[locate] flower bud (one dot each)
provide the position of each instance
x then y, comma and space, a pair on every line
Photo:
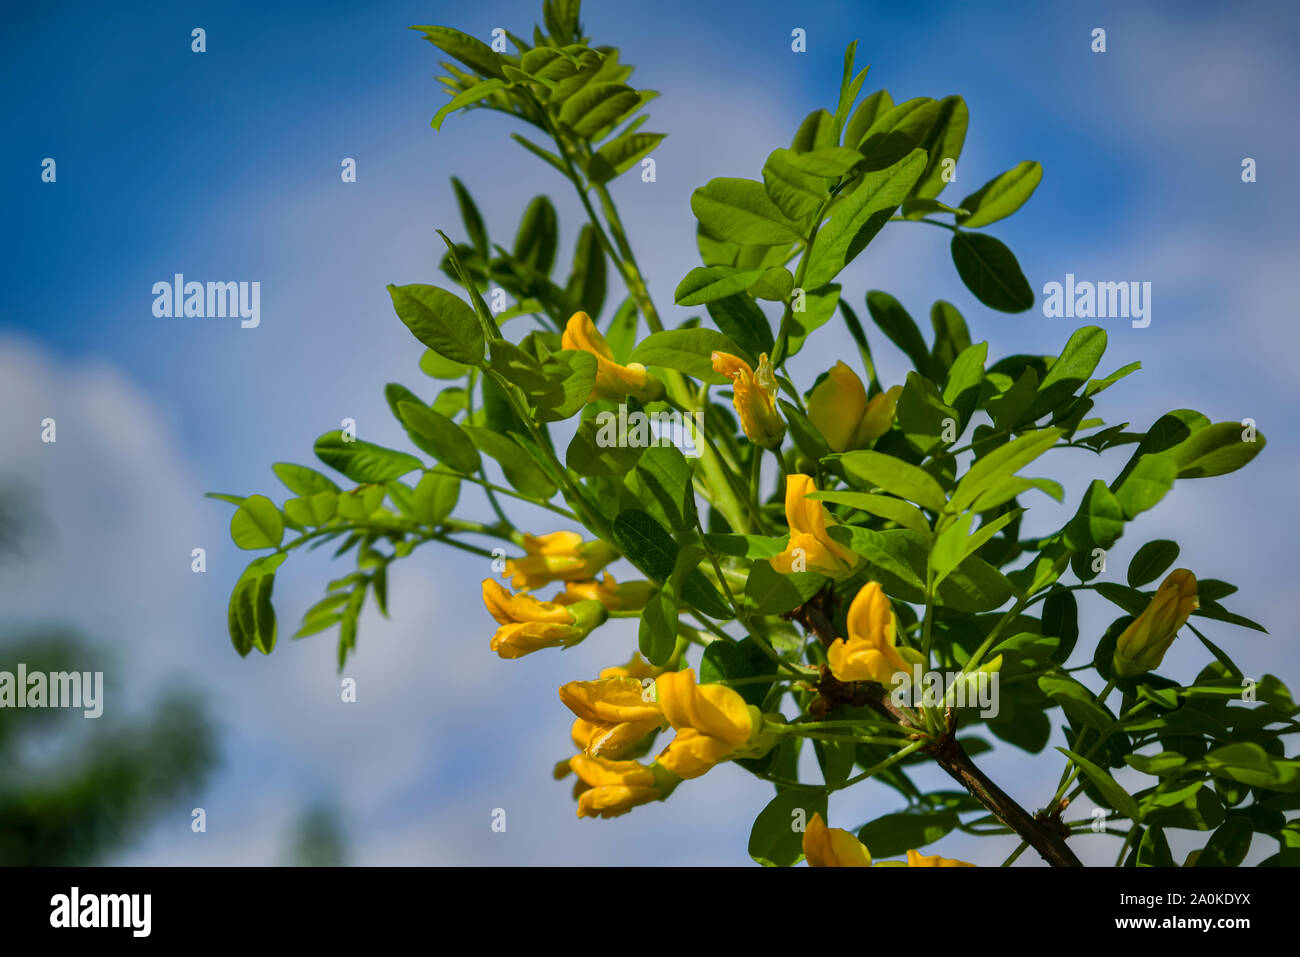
1143, 644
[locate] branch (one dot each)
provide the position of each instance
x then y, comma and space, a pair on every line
816, 615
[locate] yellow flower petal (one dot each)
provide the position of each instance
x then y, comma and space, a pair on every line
836, 406
711, 709
832, 846
691, 753
917, 859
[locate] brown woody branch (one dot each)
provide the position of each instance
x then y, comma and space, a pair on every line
1043, 835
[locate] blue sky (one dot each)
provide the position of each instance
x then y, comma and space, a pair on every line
225, 166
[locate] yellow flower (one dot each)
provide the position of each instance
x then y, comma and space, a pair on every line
629, 596
559, 556
870, 653
613, 787
613, 714
613, 381
636, 667
811, 547
917, 859
838, 407
528, 625
832, 846
712, 721
1143, 645
754, 397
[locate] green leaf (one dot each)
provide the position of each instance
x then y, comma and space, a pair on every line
776, 839
990, 271
364, 462
707, 283
942, 143
857, 218
869, 110
586, 289
894, 476
956, 542
1146, 484
898, 132
472, 52
923, 416
739, 211
598, 447
621, 154
895, 510
662, 480
893, 320
312, 510
743, 322
440, 320
1153, 849
302, 480
516, 464
538, 236
774, 284
1001, 196
1110, 790
573, 372
1151, 561
1228, 846
471, 217
1216, 450
251, 617
818, 305
689, 351
796, 192
998, 464
645, 543
965, 379
597, 106
951, 337
1075, 700
1069, 373
445, 440
435, 497
475, 93
257, 524
436, 367
895, 834
770, 592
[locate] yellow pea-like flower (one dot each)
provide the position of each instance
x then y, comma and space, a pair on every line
559, 556
754, 397
636, 667
528, 625
629, 596
613, 381
613, 714
1143, 644
839, 408
613, 787
832, 846
917, 859
870, 653
811, 547
711, 720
